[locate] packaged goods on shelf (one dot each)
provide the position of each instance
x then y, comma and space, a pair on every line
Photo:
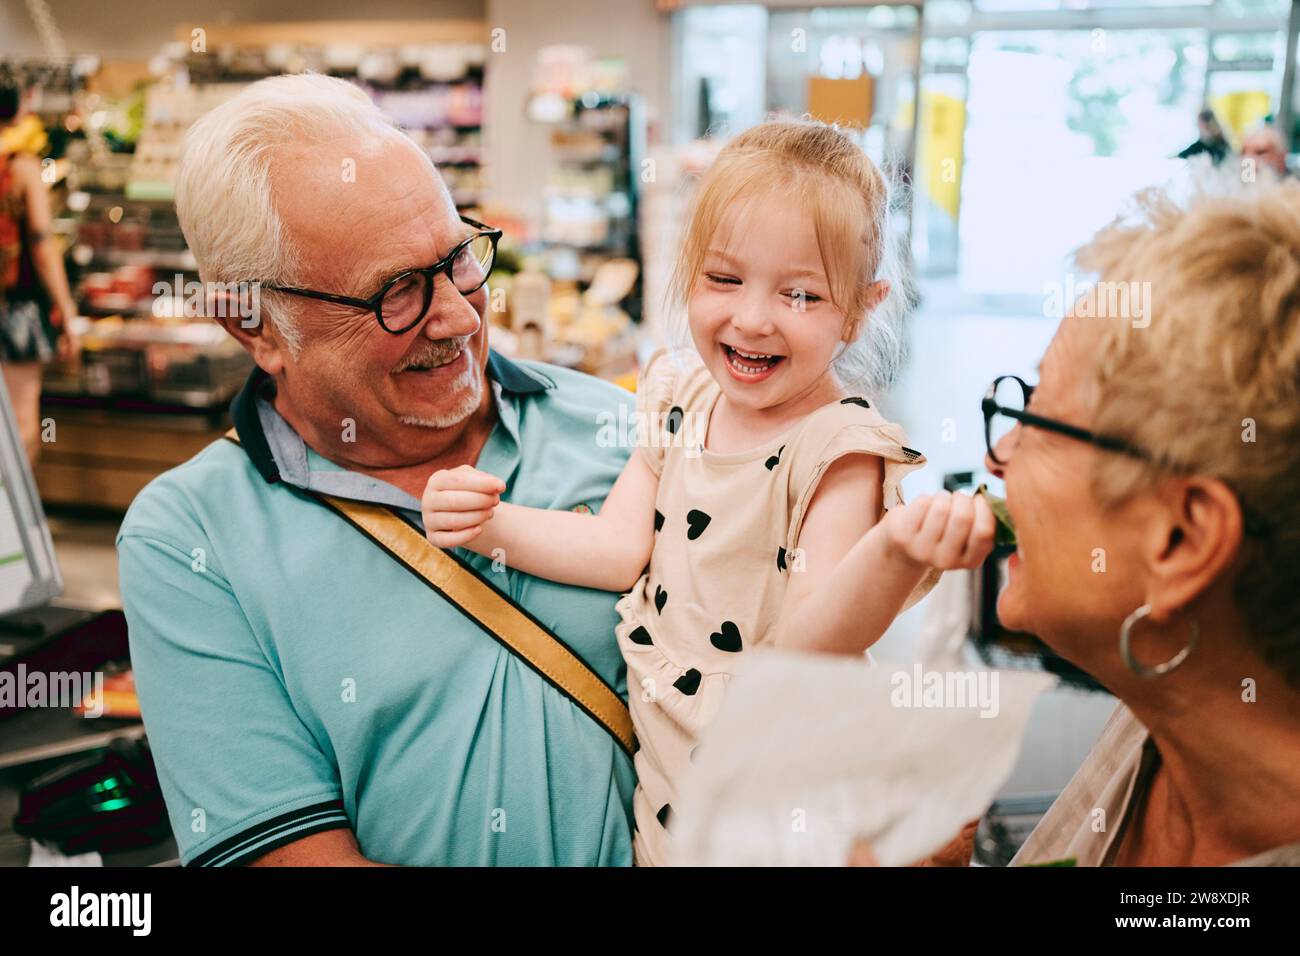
169, 112
185, 363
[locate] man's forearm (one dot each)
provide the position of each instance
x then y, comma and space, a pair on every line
331, 848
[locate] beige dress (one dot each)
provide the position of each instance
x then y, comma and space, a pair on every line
727, 527
1087, 821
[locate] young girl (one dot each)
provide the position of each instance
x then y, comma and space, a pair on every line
762, 505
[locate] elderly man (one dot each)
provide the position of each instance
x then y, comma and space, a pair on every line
1265, 146
310, 699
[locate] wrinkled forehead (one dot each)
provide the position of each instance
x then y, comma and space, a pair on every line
349, 204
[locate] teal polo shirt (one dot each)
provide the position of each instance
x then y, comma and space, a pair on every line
293, 678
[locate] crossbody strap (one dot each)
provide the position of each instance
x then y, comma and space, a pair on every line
495, 613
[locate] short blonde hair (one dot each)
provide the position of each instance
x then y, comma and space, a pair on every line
223, 186
820, 169
1212, 385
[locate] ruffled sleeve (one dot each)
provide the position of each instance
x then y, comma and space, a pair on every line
852, 427
659, 415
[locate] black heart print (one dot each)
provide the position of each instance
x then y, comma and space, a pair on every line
726, 638
698, 521
689, 682
674, 422
661, 598
775, 459
662, 816
640, 636
780, 559
855, 401
659, 520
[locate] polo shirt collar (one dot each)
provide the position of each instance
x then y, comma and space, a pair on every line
512, 377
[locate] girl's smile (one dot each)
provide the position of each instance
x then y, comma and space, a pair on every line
749, 367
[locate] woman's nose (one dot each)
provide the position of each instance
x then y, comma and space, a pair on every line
1002, 447
992, 467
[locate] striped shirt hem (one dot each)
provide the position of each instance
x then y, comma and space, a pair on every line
276, 832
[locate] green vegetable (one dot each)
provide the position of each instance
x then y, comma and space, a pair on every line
1006, 531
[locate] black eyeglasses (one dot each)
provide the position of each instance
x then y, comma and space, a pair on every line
403, 301
1004, 407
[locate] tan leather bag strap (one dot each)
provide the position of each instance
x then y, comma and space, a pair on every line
495, 613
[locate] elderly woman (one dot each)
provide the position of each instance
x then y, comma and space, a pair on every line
1152, 477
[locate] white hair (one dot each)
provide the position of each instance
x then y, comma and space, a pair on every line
223, 186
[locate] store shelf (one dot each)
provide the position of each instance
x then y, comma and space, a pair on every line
108, 449
45, 733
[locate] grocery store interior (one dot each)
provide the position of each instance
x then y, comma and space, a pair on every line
577, 127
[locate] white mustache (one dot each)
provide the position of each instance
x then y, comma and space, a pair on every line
437, 353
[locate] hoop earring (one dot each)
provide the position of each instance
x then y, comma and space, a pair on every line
1126, 646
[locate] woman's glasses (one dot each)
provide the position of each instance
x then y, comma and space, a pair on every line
403, 301
1004, 407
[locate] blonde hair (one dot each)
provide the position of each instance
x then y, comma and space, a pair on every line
1212, 385
223, 186
821, 170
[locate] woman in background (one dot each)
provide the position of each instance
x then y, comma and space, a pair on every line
35, 301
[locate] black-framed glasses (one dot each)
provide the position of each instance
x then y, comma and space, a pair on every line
1004, 407
403, 301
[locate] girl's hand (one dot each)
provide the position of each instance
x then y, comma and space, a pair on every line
457, 503
944, 531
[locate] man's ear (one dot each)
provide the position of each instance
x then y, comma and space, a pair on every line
254, 331
1194, 539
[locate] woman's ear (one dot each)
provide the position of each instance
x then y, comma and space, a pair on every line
1194, 540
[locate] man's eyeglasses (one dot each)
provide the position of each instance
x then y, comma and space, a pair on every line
403, 301
1004, 408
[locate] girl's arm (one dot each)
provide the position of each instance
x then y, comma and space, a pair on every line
462, 507
858, 569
